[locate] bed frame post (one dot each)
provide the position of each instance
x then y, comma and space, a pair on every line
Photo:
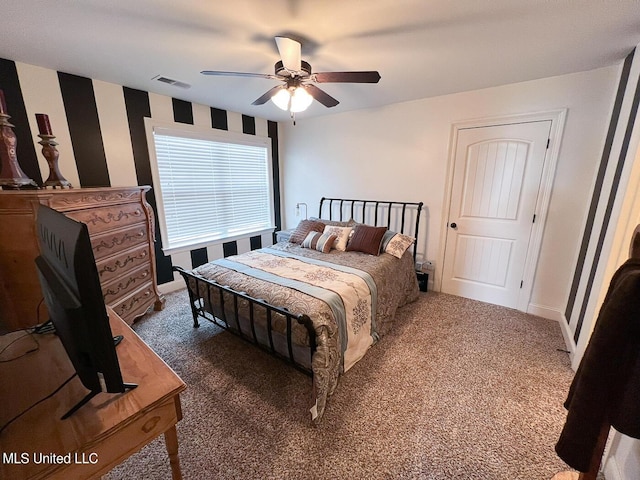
192, 297
415, 246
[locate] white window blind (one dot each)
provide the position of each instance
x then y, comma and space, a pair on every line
210, 189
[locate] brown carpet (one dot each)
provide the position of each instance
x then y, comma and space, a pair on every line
458, 390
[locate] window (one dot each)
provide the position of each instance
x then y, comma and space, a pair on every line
211, 185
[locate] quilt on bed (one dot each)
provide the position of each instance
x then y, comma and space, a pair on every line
351, 298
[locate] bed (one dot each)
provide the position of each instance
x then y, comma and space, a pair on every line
322, 298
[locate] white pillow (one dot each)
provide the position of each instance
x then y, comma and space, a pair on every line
342, 236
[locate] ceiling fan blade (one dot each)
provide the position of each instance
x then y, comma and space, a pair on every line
289, 53
347, 77
321, 96
238, 74
267, 96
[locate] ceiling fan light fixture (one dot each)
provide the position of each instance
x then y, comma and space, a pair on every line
299, 89
300, 100
282, 99
292, 99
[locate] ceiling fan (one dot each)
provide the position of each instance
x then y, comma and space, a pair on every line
298, 90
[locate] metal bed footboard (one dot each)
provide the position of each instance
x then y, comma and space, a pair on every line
238, 313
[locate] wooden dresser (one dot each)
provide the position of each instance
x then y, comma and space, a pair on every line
121, 226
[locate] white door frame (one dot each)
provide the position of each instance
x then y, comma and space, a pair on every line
557, 118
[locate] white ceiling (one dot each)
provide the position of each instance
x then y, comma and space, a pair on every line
422, 48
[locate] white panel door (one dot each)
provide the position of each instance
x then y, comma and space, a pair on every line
496, 178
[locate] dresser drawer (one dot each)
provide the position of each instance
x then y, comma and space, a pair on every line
109, 218
121, 227
136, 303
109, 243
118, 265
121, 286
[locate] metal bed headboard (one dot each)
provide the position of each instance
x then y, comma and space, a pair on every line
396, 216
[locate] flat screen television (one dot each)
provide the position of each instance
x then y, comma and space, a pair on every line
71, 287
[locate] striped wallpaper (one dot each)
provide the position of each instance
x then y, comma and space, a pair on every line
600, 222
99, 127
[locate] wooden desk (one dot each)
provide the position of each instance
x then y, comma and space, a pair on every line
100, 435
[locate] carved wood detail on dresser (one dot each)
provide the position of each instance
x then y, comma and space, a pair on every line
121, 227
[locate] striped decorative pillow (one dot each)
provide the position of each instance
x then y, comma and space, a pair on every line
319, 241
303, 229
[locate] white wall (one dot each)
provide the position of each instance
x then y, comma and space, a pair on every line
400, 152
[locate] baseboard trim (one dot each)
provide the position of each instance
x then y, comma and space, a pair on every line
169, 287
545, 312
553, 314
567, 335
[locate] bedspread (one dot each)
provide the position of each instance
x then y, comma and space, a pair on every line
287, 275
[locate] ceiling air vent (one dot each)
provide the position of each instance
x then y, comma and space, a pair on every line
171, 81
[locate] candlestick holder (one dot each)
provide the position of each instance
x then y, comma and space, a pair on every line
51, 154
11, 175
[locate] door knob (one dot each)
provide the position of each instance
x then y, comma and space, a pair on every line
454, 225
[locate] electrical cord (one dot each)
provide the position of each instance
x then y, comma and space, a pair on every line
27, 334
38, 310
38, 402
44, 328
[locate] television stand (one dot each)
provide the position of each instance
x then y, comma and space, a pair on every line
87, 398
102, 434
